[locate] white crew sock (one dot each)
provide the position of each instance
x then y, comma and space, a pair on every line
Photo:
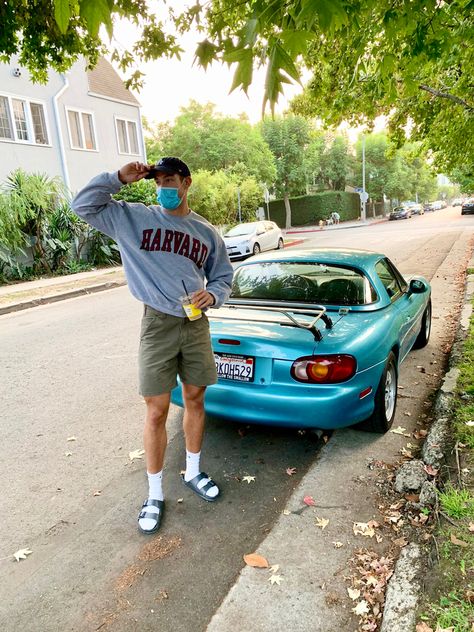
155, 491
192, 470
192, 465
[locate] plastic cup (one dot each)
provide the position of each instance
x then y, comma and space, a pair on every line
192, 312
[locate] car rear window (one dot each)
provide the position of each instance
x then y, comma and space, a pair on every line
318, 283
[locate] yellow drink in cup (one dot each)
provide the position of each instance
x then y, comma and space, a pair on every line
192, 312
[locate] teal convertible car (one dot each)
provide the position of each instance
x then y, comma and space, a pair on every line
315, 339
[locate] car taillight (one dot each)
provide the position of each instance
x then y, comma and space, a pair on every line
324, 369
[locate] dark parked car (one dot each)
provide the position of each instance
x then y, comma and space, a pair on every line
467, 206
400, 212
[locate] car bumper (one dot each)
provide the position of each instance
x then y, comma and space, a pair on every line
238, 253
326, 406
467, 211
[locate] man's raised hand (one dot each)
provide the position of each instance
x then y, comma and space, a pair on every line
133, 172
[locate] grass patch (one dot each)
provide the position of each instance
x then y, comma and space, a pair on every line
450, 602
457, 503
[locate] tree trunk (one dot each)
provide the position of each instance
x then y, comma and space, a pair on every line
288, 210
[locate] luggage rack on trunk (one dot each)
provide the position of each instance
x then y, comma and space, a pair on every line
318, 311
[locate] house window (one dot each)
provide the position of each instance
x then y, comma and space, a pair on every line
81, 130
6, 130
19, 112
39, 124
22, 121
127, 136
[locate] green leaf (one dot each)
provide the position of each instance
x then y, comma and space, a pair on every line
95, 13
330, 14
296, 42
205, 52
243, 74
62, 14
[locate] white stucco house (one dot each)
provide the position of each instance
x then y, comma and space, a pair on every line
75, 126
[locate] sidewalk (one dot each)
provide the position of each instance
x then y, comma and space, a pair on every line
28, 294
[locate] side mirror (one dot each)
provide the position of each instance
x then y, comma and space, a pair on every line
417, 286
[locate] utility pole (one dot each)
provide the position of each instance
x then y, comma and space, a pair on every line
238, 205
363, 198
267, 200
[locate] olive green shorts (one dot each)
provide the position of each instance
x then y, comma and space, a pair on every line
171, 346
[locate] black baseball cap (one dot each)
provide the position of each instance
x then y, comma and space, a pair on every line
169, 164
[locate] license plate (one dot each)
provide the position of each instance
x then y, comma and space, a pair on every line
234, 367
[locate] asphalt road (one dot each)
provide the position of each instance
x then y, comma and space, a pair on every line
69, 417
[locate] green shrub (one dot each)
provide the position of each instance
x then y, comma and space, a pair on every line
309, 209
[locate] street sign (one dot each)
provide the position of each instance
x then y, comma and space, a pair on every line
266, 193
364, 196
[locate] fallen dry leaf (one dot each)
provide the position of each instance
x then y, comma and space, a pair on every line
248, 479
286, 512
290, 471
136, 454
361, 608
471, 527
430, 470
423, 627
457, 541
71, 439
255, 560
354, 593
275, 579
363, 528
180, 500
309, 500
98, 492
401, 542
68, 454
337, 545
21, 554
413, 498
400, 430
420, 434
407, 453
274, 568
322, 522
407, 414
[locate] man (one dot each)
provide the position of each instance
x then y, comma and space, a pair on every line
167, 250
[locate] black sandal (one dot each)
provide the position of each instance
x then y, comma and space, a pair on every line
202, 492
151, 515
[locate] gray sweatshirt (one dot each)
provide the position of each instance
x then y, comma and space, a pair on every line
159, 250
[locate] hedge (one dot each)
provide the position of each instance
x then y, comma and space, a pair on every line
309, 209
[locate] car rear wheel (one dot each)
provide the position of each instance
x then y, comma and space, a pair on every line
424, 335
280, 244
256, 249
385, 400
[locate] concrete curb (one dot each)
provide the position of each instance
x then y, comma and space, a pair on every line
54, 298
317, 229
404, 588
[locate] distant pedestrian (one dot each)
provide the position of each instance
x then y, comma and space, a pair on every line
166, 248
335, 217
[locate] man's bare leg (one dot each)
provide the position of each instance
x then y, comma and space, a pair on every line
193, 426
155, 440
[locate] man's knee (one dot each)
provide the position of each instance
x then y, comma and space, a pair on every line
193, 396
157, 408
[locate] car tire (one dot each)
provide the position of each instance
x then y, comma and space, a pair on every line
280, 244
385, 400
425, 331
256, 249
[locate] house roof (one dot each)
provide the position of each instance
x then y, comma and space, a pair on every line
104, 80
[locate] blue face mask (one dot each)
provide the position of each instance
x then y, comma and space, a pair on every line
168, 197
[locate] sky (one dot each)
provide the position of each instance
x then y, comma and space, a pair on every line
170, 83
